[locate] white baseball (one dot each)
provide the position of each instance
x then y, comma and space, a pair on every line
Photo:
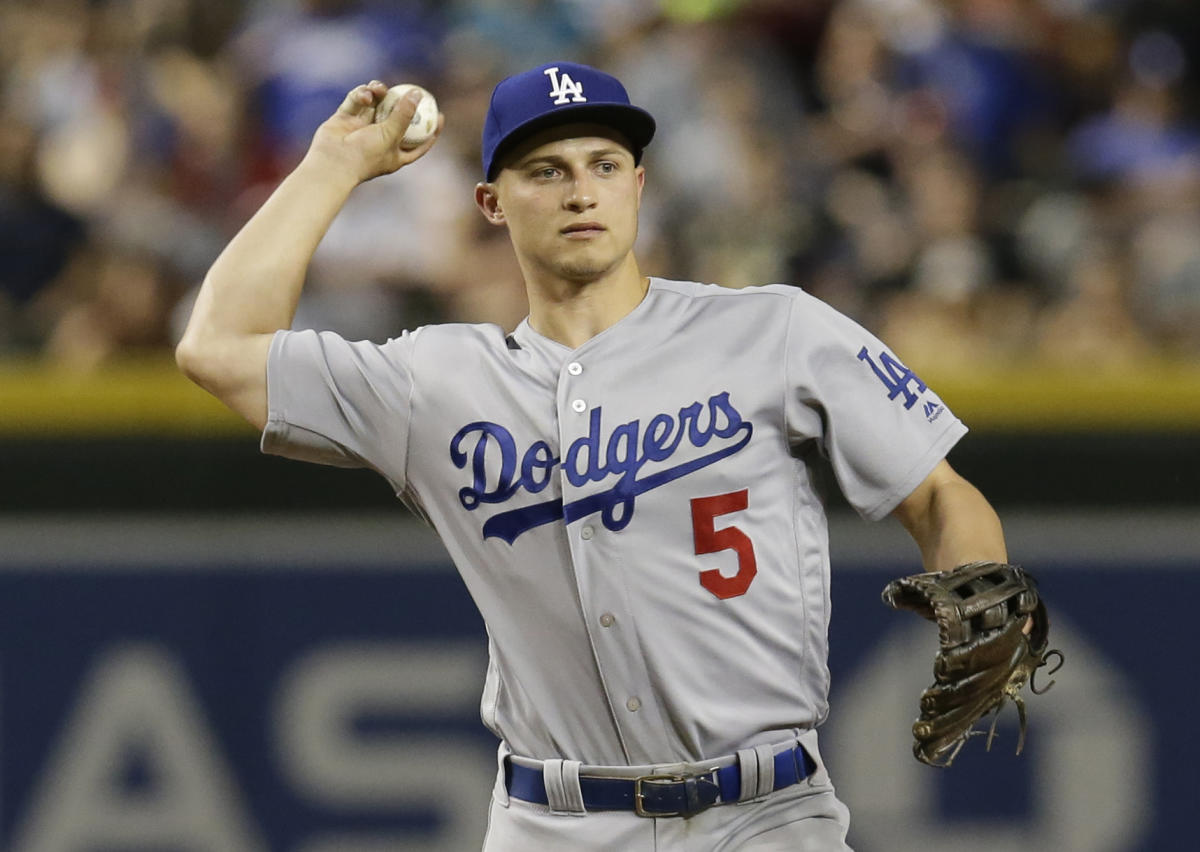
424, 120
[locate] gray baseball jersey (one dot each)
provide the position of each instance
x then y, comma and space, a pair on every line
636, 518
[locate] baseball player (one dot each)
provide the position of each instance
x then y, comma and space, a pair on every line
624, 481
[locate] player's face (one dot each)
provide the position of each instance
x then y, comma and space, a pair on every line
570, 198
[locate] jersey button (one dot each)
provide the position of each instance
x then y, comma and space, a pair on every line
586, 533
607, 619
634, 704
574, 368
579, 406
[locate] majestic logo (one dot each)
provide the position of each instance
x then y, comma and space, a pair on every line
563, 89
590, 458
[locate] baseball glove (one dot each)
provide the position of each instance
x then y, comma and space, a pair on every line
985, 657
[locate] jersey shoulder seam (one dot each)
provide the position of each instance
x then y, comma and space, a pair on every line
453, 330
700, 290
412, 393
787, 362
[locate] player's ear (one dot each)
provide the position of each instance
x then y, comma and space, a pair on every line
488, 203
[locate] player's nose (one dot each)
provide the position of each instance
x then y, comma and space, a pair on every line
580, 193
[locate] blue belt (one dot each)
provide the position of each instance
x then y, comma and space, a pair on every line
660, 795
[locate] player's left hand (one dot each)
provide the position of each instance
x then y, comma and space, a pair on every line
993, 634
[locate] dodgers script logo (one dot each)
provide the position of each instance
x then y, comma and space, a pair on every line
564, 88
591, 458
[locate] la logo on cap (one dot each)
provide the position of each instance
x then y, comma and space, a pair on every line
563, 89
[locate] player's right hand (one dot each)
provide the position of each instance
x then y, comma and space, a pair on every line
350, 140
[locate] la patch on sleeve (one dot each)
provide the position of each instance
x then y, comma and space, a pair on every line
900, 382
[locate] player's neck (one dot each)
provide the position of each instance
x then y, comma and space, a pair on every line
572, 312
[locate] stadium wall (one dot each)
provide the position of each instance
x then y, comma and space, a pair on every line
309, 682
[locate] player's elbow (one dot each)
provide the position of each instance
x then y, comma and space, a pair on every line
202, 362
210, 358
233, 369
196, 349
192, 358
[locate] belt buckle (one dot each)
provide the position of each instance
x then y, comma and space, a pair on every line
691, 792
638, 795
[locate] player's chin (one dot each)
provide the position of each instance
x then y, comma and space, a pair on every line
584, 266
581, 270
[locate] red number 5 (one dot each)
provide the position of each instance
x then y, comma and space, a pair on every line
710, 540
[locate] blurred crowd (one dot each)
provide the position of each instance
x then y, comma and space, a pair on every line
978, 181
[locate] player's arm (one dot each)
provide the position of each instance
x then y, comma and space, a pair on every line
252, 289
951, 521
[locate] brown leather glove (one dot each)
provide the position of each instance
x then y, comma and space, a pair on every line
985, 656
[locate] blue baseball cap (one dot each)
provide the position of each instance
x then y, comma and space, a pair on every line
559, 93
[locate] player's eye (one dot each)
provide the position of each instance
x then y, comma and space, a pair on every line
545, 173
606, 167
